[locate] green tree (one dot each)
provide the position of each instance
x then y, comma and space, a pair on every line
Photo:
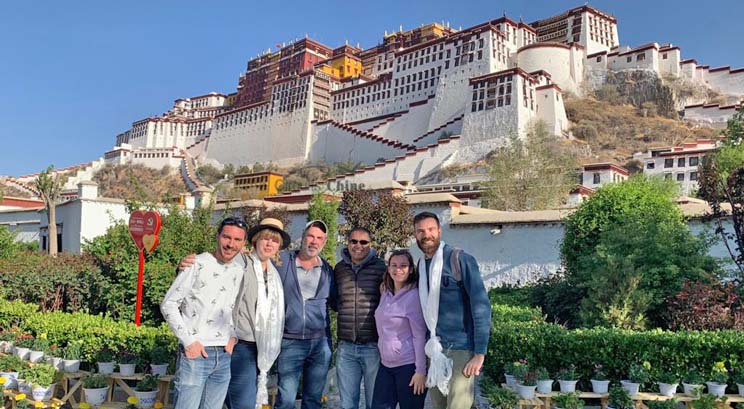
117, 257
387, 216
630, 236
529, 174
49, 186
326, 210
722, 181
8, 244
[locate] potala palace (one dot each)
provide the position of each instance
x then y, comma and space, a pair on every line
419, 100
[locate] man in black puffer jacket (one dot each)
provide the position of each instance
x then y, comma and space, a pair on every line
356, 296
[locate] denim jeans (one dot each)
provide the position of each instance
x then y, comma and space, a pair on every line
242, 391
354, 361
202, 382
310, 358
392, 388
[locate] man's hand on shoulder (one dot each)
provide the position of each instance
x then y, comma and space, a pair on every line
187, 262
474, 365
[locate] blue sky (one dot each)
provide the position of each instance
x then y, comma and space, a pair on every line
73, 74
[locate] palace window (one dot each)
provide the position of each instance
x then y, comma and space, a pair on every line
681, 162
693, 176
680, 177
641, 57
668, 163
694, 161
596, 178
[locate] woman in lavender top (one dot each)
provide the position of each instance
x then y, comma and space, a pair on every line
402, 331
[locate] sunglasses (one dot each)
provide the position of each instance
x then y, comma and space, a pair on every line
362, 242
234, 221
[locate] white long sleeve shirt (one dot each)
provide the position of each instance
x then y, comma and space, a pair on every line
199, 304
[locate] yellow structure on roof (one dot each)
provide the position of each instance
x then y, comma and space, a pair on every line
265, 183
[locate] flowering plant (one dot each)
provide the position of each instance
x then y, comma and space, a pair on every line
719, 373
521, 369
599, 373
639, 373
567, 374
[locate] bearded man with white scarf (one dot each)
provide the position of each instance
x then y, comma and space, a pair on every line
457, 315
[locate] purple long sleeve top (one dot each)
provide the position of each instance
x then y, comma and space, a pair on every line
402, 329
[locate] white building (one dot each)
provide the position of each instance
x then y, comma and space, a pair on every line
679, 163
595, 175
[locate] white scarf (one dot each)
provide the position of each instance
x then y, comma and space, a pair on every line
269, 325
440, 369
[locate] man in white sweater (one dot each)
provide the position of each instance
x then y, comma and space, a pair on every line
199, 309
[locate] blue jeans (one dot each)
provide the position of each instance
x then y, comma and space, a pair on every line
310, 358
354, 361
202, 382
391, 388
244, 368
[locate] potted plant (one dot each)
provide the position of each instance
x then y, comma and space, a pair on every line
105, 361
544, 383
738, 379
692, 382
159, 358
509, 373
95, 388
23, 344
37, 349
147, 391
21, 402
10, 368
54, 359
6, 342
668, 383
498, 397
568, 401
638, 374
71, 355
708, 401
619, 398
600, 383
662, 404
127, 363
526, 386
42, 378
23, 385
567, 379
718, 379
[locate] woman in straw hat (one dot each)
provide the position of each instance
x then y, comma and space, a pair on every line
258, 316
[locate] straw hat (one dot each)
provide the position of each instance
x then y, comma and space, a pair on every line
272, 224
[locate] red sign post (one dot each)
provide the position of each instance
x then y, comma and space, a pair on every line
144, 228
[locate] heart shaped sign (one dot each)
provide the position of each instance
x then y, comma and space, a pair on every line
144, 228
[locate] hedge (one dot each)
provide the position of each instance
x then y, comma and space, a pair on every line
517, 334
95, 331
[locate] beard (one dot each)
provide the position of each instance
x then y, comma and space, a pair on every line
429, 245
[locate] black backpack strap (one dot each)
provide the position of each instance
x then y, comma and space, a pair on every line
455, 266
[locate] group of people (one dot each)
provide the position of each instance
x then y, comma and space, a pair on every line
402, 327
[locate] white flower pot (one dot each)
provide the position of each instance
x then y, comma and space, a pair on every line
41, 393
631, 387
526, 392
22, 352
146, 399
106, 367
11, 380
35, 356
689, 388
567, 386
600, 386
126, 369
545, 386
510, 381
716, 389
667, 389
24, 387
160, 369
71, 365
740, 387
95, 396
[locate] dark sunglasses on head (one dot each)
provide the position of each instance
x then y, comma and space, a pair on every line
234, 221
362, 242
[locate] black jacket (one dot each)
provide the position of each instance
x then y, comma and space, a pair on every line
356, 297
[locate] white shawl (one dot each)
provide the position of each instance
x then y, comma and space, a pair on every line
440, 370
269, 325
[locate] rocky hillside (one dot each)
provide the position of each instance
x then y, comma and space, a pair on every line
137, 182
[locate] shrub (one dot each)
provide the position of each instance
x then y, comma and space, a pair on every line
706, 306
148, 383
663, 404
498, 397
94, 332
619, 398
568, 401
95, 381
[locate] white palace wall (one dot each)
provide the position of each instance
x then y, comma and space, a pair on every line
331, 143
726, 80
411, 125
565, 64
